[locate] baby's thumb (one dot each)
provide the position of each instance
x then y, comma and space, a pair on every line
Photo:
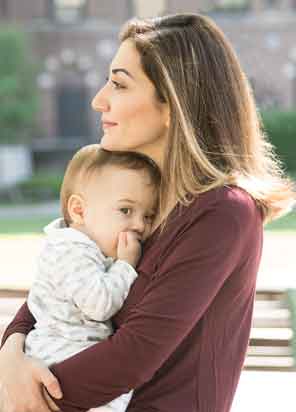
51, 383
122, 240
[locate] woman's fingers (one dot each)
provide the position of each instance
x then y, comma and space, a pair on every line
49, 401
50, 382
22, 379
42, 376
33, 402
39, 404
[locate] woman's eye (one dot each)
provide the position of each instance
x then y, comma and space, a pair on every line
125, 210
115, 84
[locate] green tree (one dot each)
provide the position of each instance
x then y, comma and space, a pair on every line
18, 91
281, 130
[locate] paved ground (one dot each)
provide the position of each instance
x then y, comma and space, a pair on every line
277, 270
278, 264
265, 392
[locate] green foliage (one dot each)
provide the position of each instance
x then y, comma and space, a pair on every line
41, 187
18, 92
281, 130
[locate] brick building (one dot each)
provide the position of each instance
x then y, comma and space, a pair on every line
76, 39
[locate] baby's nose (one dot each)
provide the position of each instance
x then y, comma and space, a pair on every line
139, 226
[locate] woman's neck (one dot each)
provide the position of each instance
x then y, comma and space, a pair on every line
156, 151
171, 204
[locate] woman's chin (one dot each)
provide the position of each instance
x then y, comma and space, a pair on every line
108, 143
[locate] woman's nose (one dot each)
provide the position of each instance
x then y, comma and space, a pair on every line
99, 102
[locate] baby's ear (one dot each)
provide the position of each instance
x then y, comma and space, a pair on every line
76, 209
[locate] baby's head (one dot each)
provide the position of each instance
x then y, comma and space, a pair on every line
105, 193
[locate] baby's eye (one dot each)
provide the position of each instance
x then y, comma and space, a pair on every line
149, 218
126, 210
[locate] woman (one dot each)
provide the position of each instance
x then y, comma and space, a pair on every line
176, 92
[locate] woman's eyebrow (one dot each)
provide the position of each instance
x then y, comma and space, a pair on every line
114, 71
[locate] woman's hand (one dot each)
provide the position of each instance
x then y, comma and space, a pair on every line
22, 380
53, 406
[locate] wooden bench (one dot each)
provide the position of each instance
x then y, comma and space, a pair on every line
270, 346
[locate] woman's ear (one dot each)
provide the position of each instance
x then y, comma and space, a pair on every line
167, 123
76, 207
167, 116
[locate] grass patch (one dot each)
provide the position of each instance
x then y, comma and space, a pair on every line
36, 224
23, 226
286, 223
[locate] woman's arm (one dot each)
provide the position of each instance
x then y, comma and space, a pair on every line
195, 269
23, 322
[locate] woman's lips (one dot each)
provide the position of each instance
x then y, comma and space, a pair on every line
107, 125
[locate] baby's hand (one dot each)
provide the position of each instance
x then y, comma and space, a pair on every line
129, 248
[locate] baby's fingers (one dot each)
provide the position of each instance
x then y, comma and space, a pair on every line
122, 239
133, 239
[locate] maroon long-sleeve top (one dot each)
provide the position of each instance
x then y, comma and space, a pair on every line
182, 334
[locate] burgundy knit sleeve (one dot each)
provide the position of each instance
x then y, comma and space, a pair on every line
195, 268
23, 322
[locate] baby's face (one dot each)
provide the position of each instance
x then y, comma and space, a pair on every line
118, 200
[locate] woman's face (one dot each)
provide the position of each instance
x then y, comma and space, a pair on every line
132, 117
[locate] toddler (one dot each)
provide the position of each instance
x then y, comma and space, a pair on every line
87, 265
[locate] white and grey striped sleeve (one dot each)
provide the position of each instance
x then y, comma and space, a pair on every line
98, 292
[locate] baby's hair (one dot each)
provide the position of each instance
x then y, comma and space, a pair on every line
92, 158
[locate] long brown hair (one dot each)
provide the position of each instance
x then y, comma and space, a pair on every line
215, 136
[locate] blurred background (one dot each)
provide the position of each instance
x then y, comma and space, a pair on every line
54, 56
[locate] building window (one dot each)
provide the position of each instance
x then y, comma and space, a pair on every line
72, 110
68, 11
